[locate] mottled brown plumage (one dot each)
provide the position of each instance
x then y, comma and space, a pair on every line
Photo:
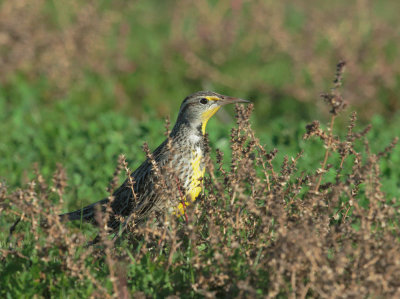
179, 160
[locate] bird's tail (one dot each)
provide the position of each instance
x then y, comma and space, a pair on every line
87, 213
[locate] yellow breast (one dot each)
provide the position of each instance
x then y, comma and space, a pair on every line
195, 184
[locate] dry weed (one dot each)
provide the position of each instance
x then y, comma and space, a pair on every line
256, 229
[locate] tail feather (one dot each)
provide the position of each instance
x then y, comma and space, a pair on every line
87, 213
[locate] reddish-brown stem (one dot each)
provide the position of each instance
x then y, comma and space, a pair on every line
326, 154
345, 215
182, 200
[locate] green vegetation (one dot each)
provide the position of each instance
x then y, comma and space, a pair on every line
83, 82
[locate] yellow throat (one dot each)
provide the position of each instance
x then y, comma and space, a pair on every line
198, 171
208, 114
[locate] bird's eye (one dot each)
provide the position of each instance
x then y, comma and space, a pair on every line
203, 101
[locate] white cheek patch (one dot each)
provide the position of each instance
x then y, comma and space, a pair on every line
213, 106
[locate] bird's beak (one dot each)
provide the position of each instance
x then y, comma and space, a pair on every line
231, 100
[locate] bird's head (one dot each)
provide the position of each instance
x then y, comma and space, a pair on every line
199, 107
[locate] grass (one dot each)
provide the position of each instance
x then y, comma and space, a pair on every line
269, 223
84, 82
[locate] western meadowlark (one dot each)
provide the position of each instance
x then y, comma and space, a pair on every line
183, 151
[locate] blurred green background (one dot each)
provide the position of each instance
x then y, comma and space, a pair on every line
84, 81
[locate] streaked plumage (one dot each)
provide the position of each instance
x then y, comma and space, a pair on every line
184, 155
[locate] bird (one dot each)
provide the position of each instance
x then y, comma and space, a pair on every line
182, 153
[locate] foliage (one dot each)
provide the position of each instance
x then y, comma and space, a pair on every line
316, 224
130, 56
82, 82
